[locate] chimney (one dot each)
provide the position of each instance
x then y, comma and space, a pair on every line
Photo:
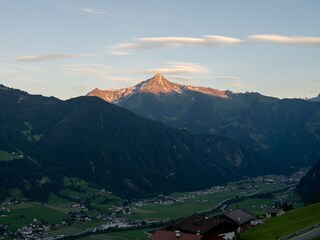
178, 233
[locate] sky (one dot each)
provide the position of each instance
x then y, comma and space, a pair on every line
65, 48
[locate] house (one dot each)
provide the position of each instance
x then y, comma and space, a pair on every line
213, 228
241, 218
174, 235
272, 212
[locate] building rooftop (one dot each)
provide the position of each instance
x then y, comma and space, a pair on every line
170, 235
239, 216
198, 224
273, 210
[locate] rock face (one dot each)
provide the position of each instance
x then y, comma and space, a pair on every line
155, 85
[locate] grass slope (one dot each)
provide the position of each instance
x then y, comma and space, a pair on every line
123, 235
197, 204
5, 156
292, 221
23, 214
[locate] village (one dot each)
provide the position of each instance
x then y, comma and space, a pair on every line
117, 218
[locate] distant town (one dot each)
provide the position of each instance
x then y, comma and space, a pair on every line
115, 218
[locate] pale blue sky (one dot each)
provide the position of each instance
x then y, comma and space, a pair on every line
65, 48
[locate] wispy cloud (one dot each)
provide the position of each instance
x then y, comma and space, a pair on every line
158, 42
173, 68
221, 40
287, 40
238, 85
207, 41
123, 48
227, 78
45, 57
98, 71
21, 73
170, 41
92, 11
182, 79
233, 82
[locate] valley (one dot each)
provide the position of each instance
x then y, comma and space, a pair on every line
81, 208
87, 169
159, 120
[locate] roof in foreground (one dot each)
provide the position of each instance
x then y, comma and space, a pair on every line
198, 224
239, 216
169, 235
273, 210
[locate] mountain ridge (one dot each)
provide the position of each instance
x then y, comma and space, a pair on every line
308, 187
108, 146
285, 132
156, 85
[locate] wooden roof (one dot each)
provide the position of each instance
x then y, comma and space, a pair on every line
199, 224
170, 235
239, 216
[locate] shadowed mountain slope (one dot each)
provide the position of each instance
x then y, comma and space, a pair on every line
286, 133
111, 147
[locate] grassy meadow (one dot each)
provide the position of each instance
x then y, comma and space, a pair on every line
280, 226
57, 208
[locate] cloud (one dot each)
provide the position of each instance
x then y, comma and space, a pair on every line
173, 68
91, 11
123, 48
207, 41
234, 78
45, 57
21, 73
182, 78
221, 40
238, 85
98, 71
160, 42
171, 41
287, 40
230, 81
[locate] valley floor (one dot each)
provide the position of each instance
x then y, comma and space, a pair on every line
81, 208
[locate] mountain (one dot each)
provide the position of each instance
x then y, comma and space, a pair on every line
286, 133
308, 187
45, 139
155, 85
315, 99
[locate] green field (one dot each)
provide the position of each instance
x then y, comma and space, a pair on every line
5, 156
177, 210
122, 235
75, 228
290, 222
207, 202
78, 189
253, 205
23, 213
100, 201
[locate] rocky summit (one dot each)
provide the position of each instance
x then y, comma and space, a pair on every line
285, 132
156, 85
